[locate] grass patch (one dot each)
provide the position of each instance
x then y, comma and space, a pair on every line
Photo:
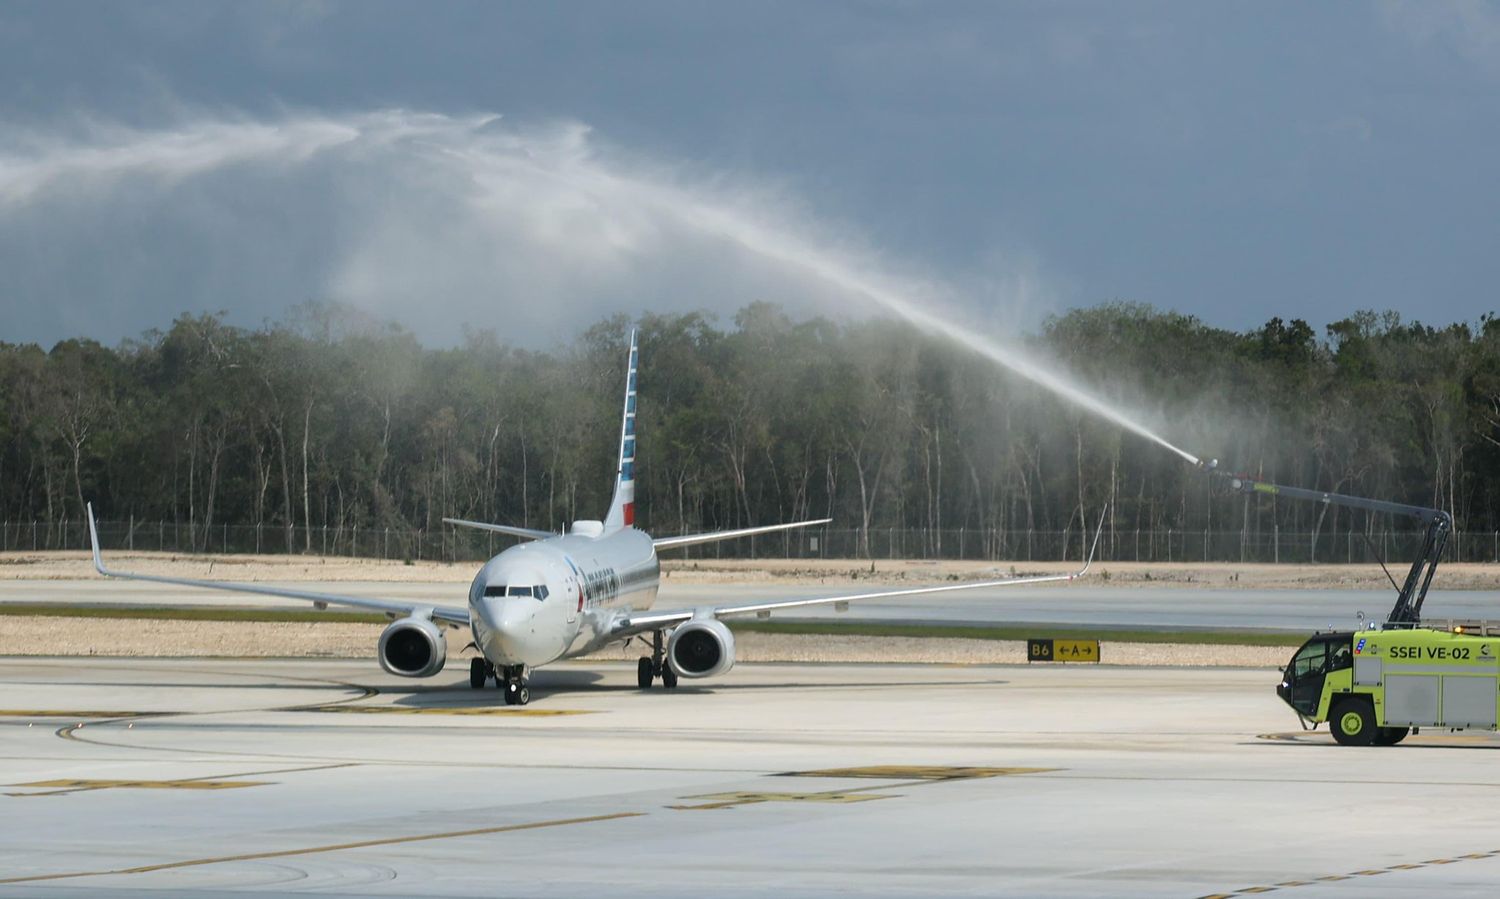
186, 613
1021, 632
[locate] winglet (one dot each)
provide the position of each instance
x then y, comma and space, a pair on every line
523, 533
94, 542
1098, 532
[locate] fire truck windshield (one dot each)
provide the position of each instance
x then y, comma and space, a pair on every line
1302, 682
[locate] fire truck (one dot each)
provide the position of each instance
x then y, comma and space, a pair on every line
1381, 682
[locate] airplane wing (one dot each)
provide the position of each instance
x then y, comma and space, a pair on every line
523, 533
712, 536
650, 621
448, 614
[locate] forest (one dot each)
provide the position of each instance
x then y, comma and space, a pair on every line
312, 431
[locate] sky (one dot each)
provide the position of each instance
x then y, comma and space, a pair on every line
528, 168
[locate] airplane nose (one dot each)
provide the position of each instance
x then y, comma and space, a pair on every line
512, 622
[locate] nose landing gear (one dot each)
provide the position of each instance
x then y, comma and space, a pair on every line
512, 680
653, 666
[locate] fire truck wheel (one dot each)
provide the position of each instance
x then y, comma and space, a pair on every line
1390, 736
1353, 723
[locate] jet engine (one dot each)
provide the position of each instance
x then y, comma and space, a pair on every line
413, 647
701, 648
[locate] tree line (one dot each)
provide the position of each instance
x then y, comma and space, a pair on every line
330, 419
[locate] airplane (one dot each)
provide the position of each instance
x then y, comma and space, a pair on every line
558, 596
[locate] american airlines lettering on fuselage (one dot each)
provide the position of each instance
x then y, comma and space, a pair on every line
556, 596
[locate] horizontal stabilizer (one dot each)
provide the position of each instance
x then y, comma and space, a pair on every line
524, 533
714, 536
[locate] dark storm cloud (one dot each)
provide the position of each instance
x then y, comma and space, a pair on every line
1232, 162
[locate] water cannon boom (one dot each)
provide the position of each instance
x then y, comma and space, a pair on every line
1407, 611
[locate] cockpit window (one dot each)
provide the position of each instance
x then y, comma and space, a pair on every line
539, 591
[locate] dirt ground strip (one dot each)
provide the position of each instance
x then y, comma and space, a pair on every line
22, 635
1222, 575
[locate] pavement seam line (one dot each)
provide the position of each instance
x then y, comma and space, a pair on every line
1368, 872
313, 850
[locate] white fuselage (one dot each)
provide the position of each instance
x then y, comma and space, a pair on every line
585, 583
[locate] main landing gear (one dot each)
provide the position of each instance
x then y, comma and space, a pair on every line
653, 666
480, 670
510, 678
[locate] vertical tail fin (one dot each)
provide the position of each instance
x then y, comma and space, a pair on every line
622, 507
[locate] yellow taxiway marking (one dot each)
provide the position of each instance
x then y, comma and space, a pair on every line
442, 710
917, 772
730, 800
63, 786
313, 850
144, 784
73, 713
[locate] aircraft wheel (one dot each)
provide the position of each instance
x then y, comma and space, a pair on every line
523, 694
1390, 736
643, 673
668, 677
1353, 723
512, 692
477, 673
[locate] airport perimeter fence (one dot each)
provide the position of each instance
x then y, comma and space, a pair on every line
451, 544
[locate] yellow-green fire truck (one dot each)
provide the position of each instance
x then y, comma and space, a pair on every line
1374, 686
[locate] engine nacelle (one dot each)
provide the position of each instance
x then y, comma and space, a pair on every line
701, 648
413, 647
